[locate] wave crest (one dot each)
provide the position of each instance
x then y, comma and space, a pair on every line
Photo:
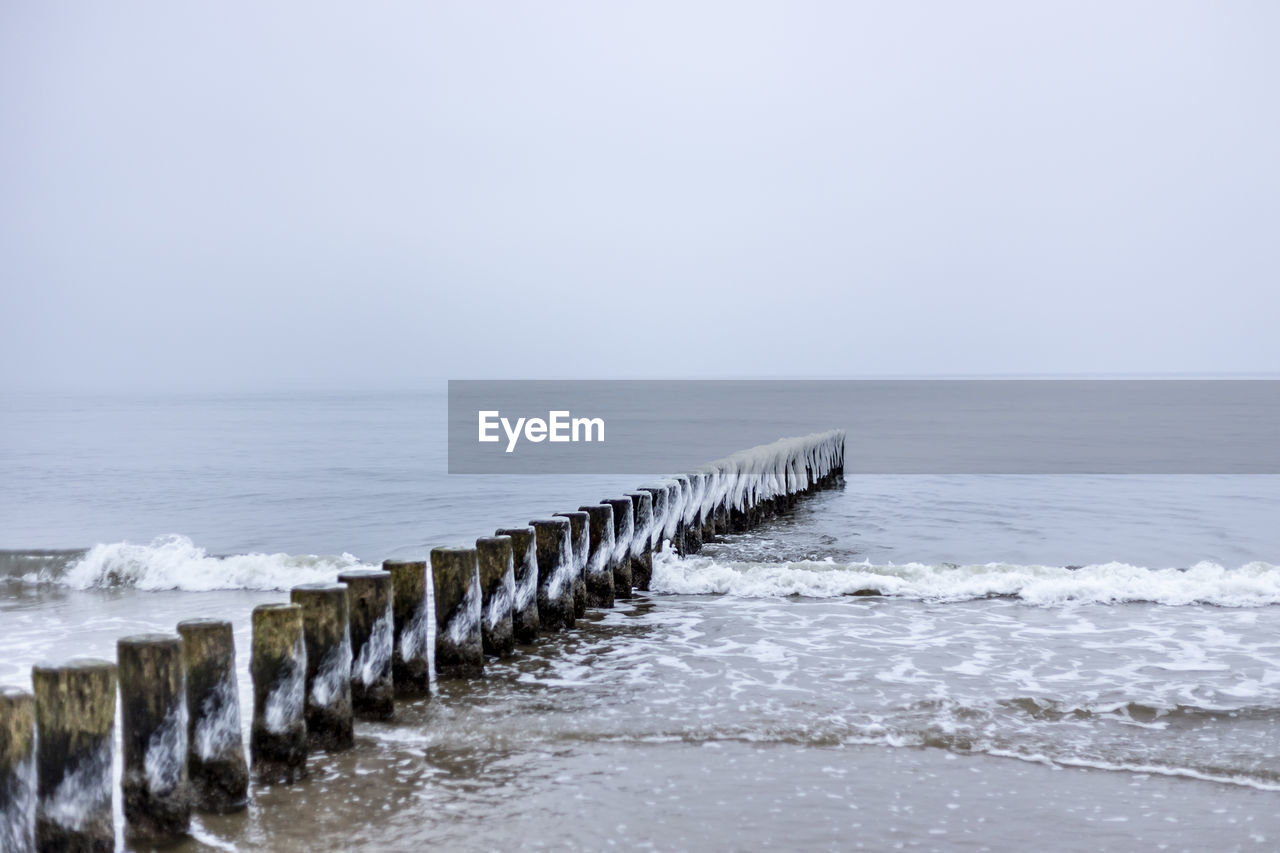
1252, 585
175, 562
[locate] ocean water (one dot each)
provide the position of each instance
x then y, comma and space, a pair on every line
920, 662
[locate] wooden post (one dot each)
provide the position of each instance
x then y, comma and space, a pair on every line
410, 669
555, 573
372, 642
17, 770
600, 555
497, 594
524, 551
624, 528
216, 766
326, 627
580, 538
75, 721
278, 736
455, 574
153, 712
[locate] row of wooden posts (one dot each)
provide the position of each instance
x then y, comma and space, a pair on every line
335, 653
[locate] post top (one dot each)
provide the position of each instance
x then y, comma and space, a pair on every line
387, 565
10, 693
320, 586
452, 551
78, 664
363, 574
271, 608
149, 640
203, 624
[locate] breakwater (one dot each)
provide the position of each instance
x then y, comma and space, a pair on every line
358, 636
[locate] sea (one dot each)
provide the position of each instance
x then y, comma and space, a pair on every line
1068, 662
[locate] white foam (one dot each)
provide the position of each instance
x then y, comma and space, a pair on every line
464, 625
527, 589
83, 792
602, 560
331, 684
374, 661
1252, 585
500, 603
175, 562
18, 811
218, 723
413, 639
166, 757
285, 701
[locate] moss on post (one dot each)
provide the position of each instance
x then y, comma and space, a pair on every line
75, 720
410, 669
372, 642
278, 736
153, 713
327, 633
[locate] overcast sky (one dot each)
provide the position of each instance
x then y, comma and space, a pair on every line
244, 196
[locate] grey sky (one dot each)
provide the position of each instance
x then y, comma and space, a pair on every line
247, 195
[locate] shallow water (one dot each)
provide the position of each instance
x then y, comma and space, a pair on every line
1064, 662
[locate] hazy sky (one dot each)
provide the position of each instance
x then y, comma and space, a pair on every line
257, 195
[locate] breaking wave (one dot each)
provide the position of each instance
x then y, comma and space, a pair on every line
1251, 585
175, 562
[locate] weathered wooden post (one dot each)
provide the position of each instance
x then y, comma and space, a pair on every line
497, 594
410, 669
641, 542
327, 630
555, 573
659, 518
624, 528
153, 713
455, 575
672, 515
600, 555
580, 539
524, 614
370, 617
709, 479
687, 541
698, 483
278, 736
75, 721
216, 765
17, 770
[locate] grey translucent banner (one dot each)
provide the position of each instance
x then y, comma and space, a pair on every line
894, 427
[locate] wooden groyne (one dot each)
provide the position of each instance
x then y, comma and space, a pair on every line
339, 652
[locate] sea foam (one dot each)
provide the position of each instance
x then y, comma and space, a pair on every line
175, 562
1251, 585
